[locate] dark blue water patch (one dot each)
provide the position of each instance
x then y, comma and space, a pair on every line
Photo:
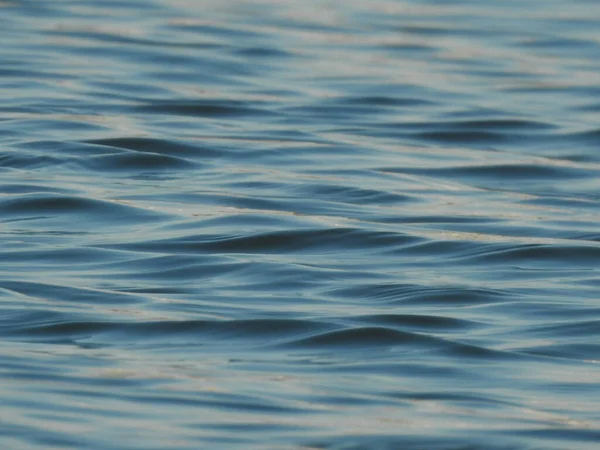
362, 337
237, 403
498, 130
499, 124
379, 101
29, 161
203, 108
541, 255
589, 136
461, 137
527, 177
15, 320
302, 241
458, 398
306, 337
141, 162
384, 339
412, 294
27, 74
442, 30
588, 107
580, 90
248, 429
416, 322
40, 438
555, 44
438, 219
347, 110
67, 124
407, 49
264, 52
170, 270
205, 333
46, 207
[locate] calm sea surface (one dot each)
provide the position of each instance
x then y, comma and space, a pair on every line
299, 224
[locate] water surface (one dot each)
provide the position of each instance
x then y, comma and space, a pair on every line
299, 225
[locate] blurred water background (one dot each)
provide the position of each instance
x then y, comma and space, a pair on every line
299, 224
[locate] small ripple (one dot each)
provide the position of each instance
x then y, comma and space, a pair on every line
225, 333
462, 137
423, 323
351, 195
541, 255
163, 147
302, 241
362, 337
45, 206
408, 441
381, 339
21, 188
29, 161
64, 257
411, 294
379, 101
263, 52
202, 108
138, 162
526, 172
46, 292
558, 433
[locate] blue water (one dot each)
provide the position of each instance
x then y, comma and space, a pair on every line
299, 224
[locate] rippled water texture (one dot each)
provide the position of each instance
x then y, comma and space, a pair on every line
299, 224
